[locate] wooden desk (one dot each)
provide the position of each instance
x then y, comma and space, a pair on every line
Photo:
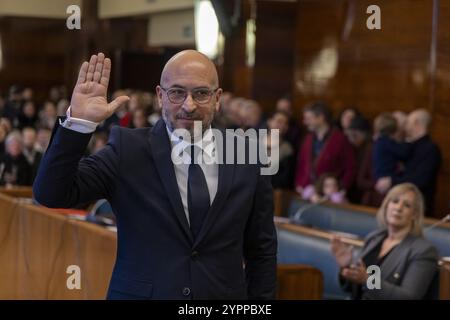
36, 247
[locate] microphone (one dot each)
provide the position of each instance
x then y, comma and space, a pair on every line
434, 225
297, 216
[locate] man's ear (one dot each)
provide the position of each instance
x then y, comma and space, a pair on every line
218, 95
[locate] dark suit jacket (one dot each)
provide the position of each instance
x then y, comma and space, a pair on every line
422, 169
157, 256
408, 272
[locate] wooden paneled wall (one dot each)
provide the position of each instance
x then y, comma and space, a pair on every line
340, 61
41, 53
34, 53
272, 74
271, 77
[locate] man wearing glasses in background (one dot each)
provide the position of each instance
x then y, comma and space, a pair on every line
185, 231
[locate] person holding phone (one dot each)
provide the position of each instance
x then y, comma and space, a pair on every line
408, 263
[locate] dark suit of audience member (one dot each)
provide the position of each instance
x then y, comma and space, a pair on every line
422, 169
11, 111
387, 154
407, 262
284, 177
422, 166
15, 171
293, 134
33, 158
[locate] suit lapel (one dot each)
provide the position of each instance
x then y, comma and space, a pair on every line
394, 258
399, 252
372, 244
161, 152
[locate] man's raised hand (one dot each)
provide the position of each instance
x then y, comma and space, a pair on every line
89, 95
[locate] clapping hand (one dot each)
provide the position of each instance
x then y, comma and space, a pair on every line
356, 273
341, 251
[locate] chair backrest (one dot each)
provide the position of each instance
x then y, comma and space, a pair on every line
332, 218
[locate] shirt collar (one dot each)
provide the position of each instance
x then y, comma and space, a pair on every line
207, 139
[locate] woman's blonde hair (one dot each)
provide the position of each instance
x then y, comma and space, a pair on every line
418, 206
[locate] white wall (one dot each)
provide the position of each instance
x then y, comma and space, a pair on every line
172, 28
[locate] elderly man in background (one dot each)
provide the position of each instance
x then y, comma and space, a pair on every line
422, 167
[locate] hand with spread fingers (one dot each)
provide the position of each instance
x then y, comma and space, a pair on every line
356, 273
89, 95
341, 251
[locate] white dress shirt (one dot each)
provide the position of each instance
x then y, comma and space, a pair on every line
209, 166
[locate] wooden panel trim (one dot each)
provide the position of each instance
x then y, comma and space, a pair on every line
326, 235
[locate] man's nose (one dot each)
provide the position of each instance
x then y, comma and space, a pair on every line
189, 104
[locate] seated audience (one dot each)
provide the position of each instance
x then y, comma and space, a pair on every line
43, 139
139, 119
324, 150
251, 115
28, 117
14, 167
13, 105
47, 116
62, 106
30, 151
407, 262
27, 94
120, 117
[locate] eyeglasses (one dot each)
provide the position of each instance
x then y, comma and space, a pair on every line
179, 95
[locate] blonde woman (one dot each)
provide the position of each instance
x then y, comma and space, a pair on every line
407, 262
